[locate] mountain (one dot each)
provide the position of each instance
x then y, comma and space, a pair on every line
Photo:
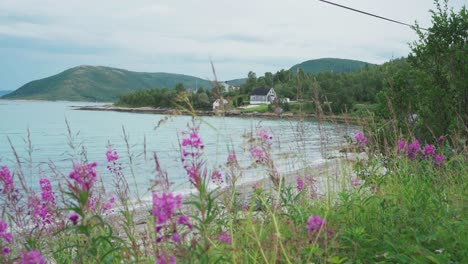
99, 83
237, 82
329, 65
3, 92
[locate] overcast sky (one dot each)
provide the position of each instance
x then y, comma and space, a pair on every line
39, 38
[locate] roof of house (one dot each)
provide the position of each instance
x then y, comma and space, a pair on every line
260, 91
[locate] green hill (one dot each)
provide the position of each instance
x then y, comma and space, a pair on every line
329, 65
98, 83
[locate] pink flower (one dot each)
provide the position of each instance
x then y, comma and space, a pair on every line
258, 154
300, 184
401, 145
46, 191
314, 223
84, 175
7, 236
224, 238
428, 150
107, 206
32, 257
166, 260
439, 159
5, 251
184, 220
360, 139
264, 134
355, 182
7, 179
216, 176
111, 155
413, 149
74, 217
231, 159
441, 139
193, 140
164, 206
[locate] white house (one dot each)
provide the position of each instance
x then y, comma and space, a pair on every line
217, 103
262, 95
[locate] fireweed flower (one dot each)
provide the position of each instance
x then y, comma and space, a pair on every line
413, 149
5, 251
166, 260
231, 159
107, 206
74, 217
111, 155
360, 139
262, 133
441, 139
257, 154
429, 150
32, 257
7, 236
7, 180
224, 238
216, 177
84, 175
46, 191
314, 223
439, 159
164, 206
191, 148
401, 144
184, 220
300, 184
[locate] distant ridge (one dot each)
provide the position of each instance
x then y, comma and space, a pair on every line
3, 92
99, 83
329, 65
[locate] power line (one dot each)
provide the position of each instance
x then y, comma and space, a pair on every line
369, 14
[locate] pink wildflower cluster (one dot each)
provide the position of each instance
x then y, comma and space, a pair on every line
224, 237
414, 150
192, 147
360, 139
6, 236
84, 175
231, 159
164, 207
42, 209
300, 184
111, 155
32, 257
258, 154
193, 140
262, 133
108, 206
314, 223
7, 180
166, 260
216, 177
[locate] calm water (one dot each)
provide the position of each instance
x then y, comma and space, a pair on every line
93, 131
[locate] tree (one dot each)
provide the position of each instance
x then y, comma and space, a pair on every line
179, 88
440, 57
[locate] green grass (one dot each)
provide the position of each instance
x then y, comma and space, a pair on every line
260, 109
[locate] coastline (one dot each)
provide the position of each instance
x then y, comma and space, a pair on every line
229, 113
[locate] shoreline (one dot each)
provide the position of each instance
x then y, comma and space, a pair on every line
229, 113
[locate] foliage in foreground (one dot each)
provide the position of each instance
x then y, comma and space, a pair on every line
404, 205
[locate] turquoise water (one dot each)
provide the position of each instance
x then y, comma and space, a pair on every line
295, 144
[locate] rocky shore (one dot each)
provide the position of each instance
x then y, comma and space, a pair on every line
233, 113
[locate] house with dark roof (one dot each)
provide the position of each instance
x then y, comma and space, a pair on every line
262, 95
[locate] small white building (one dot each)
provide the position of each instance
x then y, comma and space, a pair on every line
262, 95
217, 103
